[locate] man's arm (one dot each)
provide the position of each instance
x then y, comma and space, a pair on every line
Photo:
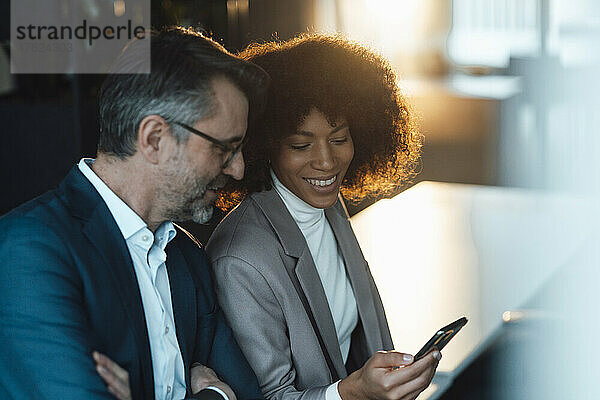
205, 383
44, 335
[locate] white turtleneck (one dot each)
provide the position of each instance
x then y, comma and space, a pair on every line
328, 260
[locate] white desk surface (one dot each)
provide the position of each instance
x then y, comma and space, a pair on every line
439, 251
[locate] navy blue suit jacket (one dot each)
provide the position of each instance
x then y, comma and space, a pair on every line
68, 287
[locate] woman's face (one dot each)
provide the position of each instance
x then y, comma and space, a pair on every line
312, 162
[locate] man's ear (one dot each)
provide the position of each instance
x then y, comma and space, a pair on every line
152, 137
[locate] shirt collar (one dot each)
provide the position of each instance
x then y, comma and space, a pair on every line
127, 220
164, 234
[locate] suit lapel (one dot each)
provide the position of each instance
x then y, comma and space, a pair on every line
313, 289
105, 237
302, 265
355, 268
183, 297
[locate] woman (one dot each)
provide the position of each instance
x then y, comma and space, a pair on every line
290, 275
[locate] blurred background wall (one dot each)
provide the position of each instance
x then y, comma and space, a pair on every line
496, 84
507, 95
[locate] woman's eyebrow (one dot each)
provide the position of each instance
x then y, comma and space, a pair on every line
339, 128
305, 133
334, 130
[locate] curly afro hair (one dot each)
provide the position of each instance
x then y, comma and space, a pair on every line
342, 80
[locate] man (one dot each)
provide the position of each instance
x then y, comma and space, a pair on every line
97, 265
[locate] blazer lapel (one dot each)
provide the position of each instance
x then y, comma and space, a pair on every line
104, 236
313, 289
355, 268
294, 245
183, 296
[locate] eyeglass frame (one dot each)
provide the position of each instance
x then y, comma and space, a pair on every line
226, 147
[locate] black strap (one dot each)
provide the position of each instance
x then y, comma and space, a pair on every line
311, 317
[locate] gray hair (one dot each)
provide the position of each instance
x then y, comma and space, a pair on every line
179, 87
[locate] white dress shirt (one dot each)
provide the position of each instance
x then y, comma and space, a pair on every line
148, 255
330, 266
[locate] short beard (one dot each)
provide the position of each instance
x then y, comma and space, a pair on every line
203, 214
183, 193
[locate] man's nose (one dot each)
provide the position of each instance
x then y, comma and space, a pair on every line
235, 169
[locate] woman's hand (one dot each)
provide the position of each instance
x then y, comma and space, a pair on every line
390, 375
115, 377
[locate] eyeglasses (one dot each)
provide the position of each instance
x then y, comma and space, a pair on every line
225, 147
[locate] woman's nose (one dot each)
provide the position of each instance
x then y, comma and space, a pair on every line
323, 158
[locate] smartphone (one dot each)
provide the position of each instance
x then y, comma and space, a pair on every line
442, 337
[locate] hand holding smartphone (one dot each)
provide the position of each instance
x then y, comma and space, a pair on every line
441, 337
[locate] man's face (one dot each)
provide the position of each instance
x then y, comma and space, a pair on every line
194, 172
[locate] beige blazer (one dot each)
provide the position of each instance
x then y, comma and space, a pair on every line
250, 250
